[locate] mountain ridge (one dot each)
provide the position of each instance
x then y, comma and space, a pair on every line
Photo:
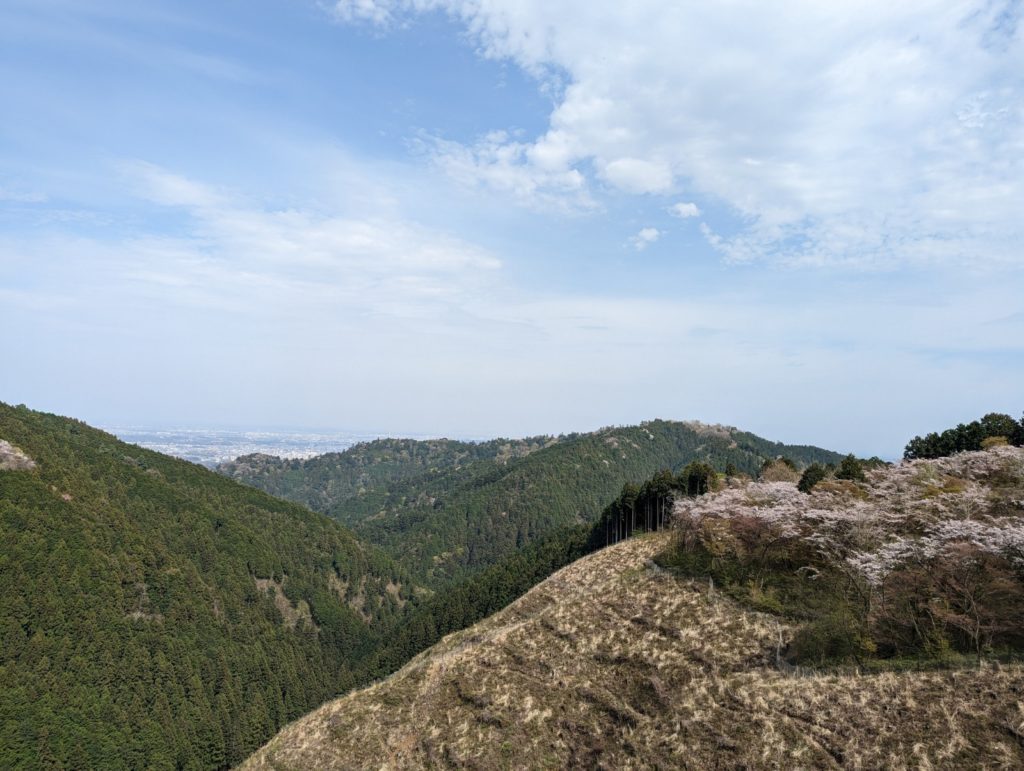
480, 502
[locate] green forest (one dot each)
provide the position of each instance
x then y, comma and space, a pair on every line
449, 509
133, 629
967, 436
156, 614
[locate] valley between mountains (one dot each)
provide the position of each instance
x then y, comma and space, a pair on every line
626, 659
655, 596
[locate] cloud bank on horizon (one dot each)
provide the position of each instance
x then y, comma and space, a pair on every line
483, 218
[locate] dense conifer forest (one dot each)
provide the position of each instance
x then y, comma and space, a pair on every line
449, 509
154, 614
992, 429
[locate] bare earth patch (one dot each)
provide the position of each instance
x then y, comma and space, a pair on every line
13, 459
614, 663
293, 615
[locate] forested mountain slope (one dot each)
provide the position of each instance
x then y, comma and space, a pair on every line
448, 509
615, 663
154, 614
361, 476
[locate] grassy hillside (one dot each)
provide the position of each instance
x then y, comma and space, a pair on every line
155, 614
448, 509
615, 663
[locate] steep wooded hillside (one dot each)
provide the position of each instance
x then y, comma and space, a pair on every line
614, 662
154, 614
467, 507
361, 476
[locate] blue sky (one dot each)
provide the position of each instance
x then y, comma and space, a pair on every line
465, 218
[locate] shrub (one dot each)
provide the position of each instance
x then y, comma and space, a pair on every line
851, 469
811, 476
837, 637
779, 470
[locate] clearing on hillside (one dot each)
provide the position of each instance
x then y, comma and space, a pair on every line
13, 459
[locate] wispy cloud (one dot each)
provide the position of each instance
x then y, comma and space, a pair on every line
531, 176
644, 238
684, 210
889, 135
21, 196
237, 255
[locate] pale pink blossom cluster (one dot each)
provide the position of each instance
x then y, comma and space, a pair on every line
911, 512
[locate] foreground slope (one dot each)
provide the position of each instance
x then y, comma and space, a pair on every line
447, 509
615, 663
154, 614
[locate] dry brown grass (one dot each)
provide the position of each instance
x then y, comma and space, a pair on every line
614, 663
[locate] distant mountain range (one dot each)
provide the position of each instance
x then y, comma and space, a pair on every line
448, 508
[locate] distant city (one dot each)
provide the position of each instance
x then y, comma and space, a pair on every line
210, 447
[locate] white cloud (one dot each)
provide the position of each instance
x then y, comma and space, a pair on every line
864, 132
645, 238
684, 210
634, 175
539, 181
233, 249
373, 11
164, 187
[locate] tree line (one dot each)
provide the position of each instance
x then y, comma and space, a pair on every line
966, 437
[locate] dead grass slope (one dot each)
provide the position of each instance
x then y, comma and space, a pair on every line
613, 663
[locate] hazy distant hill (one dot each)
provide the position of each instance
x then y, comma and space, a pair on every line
154, 614
446, 509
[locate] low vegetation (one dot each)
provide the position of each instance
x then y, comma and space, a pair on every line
921, 562
638, 508
614, 662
